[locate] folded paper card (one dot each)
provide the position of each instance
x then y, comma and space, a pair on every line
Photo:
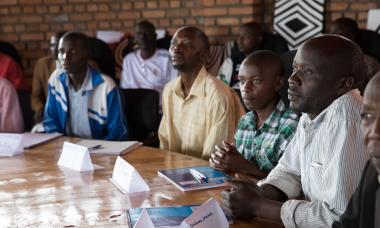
76, 157
11, 144
207, 215
127, 179
144, 220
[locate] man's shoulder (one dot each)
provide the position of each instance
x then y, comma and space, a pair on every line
6, 85
162, 53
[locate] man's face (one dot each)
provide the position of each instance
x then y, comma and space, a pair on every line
311, 85
144, 37
186, 50
247, 41
72, 55
370, 124
258, 87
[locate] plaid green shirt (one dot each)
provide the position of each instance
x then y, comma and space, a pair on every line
265, 146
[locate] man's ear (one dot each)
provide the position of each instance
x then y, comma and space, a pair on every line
280, 83
205, 55
345, 85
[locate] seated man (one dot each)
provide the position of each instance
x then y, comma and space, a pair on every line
81, 101
348, 28
263, 133
12, 71
43, 68
149, 67
364, 207
10, 112
321, 167
199, 110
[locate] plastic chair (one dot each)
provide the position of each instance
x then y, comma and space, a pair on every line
141, 111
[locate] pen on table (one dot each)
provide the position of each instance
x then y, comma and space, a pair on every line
95, 147
198, 175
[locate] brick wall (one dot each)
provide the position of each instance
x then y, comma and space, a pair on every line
28, 24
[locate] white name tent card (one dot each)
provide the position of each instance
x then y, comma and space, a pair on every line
144, 220
76, 157
207, 215
11, 144
127, 179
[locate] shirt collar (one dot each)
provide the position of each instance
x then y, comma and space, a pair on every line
198, 87
333, 106
280, 107
87, 84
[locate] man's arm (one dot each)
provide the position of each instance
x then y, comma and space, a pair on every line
11, 120
246, 200
37, 101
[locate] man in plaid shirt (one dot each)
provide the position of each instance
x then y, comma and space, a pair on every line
263, 133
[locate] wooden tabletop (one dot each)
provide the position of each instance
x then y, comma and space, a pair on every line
35, 192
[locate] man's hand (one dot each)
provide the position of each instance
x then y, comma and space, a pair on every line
228, 159
246, 200
243, 200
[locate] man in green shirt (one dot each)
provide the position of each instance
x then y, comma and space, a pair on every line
263, 133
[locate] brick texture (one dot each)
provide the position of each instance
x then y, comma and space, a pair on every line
28, 24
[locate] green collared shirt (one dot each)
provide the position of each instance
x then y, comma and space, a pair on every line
265, 146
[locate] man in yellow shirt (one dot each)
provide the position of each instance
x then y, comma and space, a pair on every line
199, 110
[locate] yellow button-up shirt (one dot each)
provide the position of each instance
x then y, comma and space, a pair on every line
195, 124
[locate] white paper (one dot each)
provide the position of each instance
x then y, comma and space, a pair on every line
126, 177
144, 220
76, 157
11, 144
34, 139
373, 22
109, 36
207, 215
110, 147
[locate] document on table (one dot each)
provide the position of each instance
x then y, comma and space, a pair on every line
34, 139
103, 147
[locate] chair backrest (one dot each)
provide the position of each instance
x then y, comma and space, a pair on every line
369, 42
26, 108
274, 42
141, 111
287, 61
102, 54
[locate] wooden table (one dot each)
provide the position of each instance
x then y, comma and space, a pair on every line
35, 192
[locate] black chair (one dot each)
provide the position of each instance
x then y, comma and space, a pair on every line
287, 61
102, 55
274, 42
369, 42
26, 108
141, 111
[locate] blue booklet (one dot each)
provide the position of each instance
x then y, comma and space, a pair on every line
185, 180
165, 216
162, 216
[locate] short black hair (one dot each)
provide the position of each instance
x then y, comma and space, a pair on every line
77, 36
199, 33
147, 24
267, 55
254, 27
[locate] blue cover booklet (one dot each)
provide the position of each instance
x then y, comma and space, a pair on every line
184, 178
162, 216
